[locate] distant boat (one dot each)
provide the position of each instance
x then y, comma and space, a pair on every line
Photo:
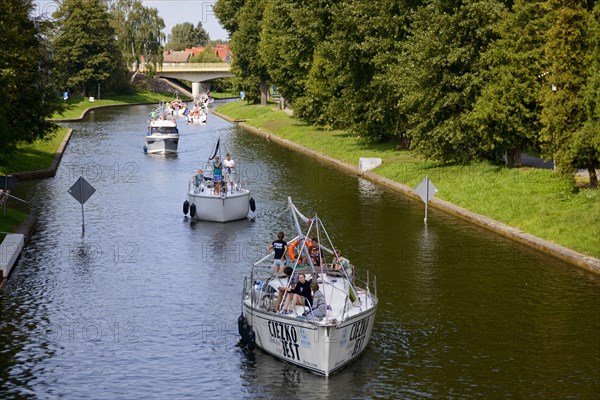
307, 338
162, 135
205, 203
176, 108
199, 113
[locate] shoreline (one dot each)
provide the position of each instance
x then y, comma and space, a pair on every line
580, 260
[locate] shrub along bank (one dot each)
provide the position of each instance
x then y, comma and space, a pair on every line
536, 201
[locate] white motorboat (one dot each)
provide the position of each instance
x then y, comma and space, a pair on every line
162, 135
205, 202
322, 345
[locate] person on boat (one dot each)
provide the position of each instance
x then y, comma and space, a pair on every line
317, 310
285, 288
198, 178
340, 262
217, 174
300, 295
279, 246
315, 244
314, 255
229, 165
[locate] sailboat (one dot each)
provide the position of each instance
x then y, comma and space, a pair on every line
320, 343
209, 199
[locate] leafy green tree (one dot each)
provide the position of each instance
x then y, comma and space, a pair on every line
185, 35
584, 147
566, 55
227, 12
506, 114
139, 35
27, 94
250, 70
362, 46
441, 75
85, 48
291, 31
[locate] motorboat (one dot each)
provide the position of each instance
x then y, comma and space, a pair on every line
322, 344
209, 201
162, 135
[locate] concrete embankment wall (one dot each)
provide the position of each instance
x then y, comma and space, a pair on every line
581, 260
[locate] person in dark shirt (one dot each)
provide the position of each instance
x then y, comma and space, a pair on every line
280, 248
301, 295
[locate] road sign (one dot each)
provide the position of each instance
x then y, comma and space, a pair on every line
8, 182
426, 191
82, 190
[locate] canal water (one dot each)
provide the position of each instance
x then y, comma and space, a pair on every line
145, 304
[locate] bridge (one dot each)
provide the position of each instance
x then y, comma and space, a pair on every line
194, 72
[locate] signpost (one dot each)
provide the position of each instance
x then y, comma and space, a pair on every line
82, 191
426, 191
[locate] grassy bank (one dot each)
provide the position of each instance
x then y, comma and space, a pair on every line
32, 157
534, 200
11, 221
77, 105
39, 154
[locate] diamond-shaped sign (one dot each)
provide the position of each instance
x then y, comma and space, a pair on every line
426, 190
81, 190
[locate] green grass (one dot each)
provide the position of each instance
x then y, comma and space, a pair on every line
39, 154
77, 105
537, 201
32, 157
224, 95
11, 221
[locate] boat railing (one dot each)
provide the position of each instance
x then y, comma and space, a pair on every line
369, 285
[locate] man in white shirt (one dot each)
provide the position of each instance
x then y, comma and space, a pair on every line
229, 165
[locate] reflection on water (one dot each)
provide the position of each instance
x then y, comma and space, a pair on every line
145, 304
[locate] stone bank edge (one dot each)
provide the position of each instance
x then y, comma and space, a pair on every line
583, 261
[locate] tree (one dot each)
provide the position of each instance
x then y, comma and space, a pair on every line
291, 31
566, 55
85, 48
506, 114
27, 93
249, 68
227, 13
441, 76
139, 33
584, 148
185, 35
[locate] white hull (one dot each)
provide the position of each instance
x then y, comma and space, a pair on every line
319, 347
160, 144
219, 208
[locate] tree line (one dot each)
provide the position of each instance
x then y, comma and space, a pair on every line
85, 46
454, 80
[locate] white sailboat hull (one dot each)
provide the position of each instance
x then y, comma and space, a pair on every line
222, 208
322, 349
